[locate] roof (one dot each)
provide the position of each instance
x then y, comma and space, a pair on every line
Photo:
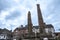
57, 32
26, 27
4, 31
49, 26
21, 28
36, 27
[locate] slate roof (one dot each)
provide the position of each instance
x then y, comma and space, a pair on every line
36, 27
49, 26
4, 31
26, 27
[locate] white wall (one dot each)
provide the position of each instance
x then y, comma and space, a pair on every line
2, 36
35, 30
50, 30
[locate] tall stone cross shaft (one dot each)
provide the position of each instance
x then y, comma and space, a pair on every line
29, 23
40, 19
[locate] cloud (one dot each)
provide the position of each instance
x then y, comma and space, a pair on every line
53, 9
4, 4
13, 13
14, 16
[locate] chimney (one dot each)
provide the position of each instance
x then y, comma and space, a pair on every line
40, 19
29, 23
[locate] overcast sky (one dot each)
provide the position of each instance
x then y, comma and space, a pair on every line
13, 13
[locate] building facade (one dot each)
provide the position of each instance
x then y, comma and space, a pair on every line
5, 34
42, 31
